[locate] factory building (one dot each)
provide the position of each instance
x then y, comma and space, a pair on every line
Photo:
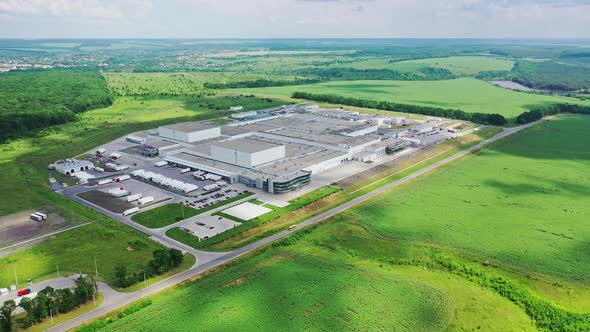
279, 153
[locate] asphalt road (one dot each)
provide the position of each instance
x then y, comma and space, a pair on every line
222, 258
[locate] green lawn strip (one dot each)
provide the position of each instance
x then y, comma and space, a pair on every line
164, 215
295, 204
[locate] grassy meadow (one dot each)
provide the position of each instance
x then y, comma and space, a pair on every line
467, 94
458, 65
521, 203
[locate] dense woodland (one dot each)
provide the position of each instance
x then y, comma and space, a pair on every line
163, 261
492, 119
550, 75
31, 100
347, 74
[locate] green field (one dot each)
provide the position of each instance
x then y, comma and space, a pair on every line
458, 65
467, 94
522, 203
164, 215
73, 251
176, 84
463, 65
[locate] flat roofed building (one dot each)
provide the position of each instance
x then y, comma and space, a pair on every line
189, 132
71, 166
246, 152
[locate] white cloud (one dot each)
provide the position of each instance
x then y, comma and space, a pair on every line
87, 9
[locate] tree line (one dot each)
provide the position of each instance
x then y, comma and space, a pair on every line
537, 114
260, 83
48, 302
483, 118
163, 261
32, 100
348, 74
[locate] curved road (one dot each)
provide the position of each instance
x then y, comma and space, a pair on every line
218, 259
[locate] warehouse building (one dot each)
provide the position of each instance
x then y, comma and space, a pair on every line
71, 166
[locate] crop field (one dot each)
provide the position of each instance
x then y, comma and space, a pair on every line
458, 65
487, 204
467, 94
306, 293
462, 65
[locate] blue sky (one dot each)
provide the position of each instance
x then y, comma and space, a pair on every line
294, 18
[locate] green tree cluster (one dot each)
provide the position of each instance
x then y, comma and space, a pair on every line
32, 100
163, 261
48, 302
536, 114
484, 118
551, 75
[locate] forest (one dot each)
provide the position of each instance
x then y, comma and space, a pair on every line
492, 119
32, 100
349, 74
551, 75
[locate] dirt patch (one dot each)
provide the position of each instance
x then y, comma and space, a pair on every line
18, 227
275, 259
237, 282
106, 201
130, 249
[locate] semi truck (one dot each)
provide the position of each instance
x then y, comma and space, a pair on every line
42, 215
122, 178
133, 198
161, 163
36, 217
185, 170
145, 200
105, 181
130, 211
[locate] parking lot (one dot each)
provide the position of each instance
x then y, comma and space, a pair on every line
206, 226
213, 197
98, 195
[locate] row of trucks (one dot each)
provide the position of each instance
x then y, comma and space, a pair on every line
202, 175
117, 179
102, 151
141, 201
38, 216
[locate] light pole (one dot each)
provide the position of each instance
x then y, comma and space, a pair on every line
144, 281
15, 277
57, 267
95, 267
51, 315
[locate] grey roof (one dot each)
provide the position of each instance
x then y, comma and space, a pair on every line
247, 145
190, 126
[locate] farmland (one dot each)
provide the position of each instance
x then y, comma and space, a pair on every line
467, 94
458, 65
522, 185
309, 291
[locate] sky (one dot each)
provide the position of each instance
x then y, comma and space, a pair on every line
294, 19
